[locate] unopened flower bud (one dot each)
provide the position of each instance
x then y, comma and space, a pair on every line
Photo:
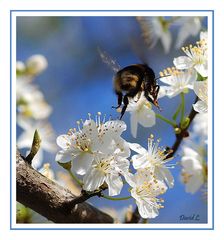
177, 130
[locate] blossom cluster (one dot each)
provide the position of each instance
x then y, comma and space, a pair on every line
98, 152
32, 108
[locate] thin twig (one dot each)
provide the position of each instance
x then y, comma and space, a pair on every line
183, 133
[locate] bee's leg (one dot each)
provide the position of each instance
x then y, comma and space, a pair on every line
146, 94
119, 100
138, 97
157, 91
125, 100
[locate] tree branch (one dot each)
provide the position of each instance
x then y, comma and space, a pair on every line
52, 200
184, 133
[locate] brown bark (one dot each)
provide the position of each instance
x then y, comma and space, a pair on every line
51, 200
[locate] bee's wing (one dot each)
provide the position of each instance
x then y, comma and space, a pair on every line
109, 61
146, 24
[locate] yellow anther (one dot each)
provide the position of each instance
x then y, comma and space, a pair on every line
161, 74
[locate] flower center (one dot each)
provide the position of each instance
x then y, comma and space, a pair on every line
104, 164
196, 53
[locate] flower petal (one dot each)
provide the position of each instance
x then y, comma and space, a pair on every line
64, 156
82, 163
137, 148
183, 62
114, 183
93, 179
201, 89
130, 179
122, 165
202, 69
140, 161
167, 80
191, 165
147, 117
121, 147
200, 107
134, 124
194, 183
190, 27
63, 141
167, 176
90, 129
115, 127
147, 209
166, 39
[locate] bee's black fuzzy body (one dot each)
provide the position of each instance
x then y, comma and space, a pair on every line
132, 80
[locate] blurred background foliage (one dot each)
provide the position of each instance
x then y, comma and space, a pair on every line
77, 82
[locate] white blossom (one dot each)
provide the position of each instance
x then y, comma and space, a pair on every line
197, 57
80, 145
201, 90
189, 26
106, 168
36, 64
200, 127
155, 158
193, 171
30, 101
145, 189
141, 113
26, 138
155, 29
177, 81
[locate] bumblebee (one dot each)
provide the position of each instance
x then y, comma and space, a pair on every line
131, 81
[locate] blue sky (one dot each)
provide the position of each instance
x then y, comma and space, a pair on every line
77, 82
